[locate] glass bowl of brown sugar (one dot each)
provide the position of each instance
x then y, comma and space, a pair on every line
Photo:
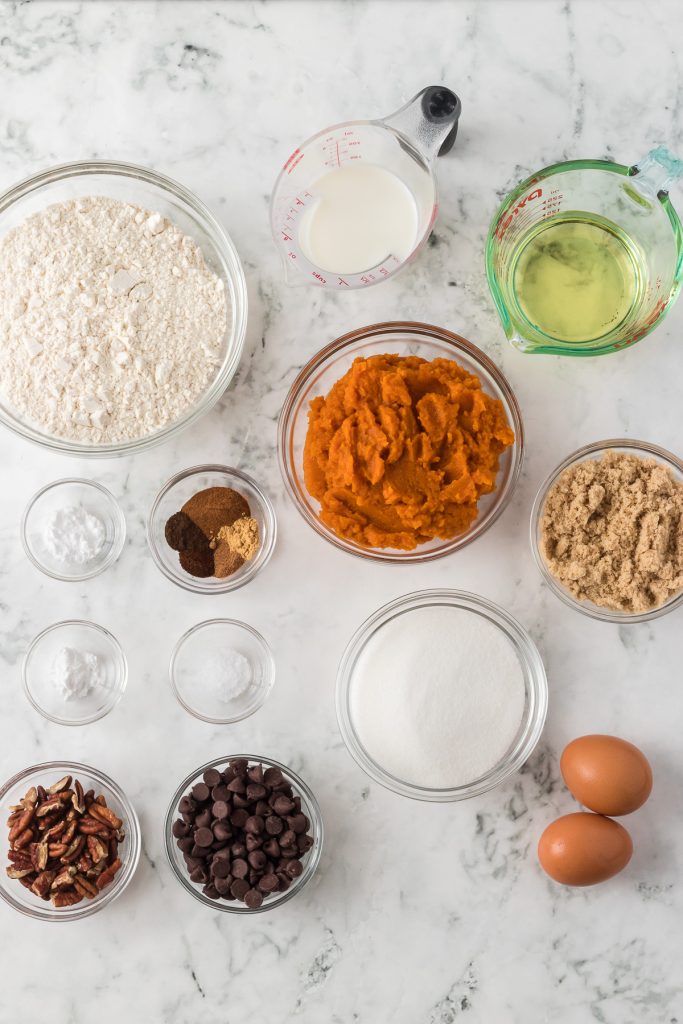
602, 529
211, 529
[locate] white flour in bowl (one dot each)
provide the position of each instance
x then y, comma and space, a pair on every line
111, 322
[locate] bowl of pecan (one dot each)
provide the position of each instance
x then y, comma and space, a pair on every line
73, 841
243, 834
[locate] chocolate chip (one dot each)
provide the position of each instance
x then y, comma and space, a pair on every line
180, 829
258, 859
299, 823
220, 809
238, 850
255, 773
239, 888
223, 885
203, 837
198, 876
211, 891
221, 792
268, 883
239, 817
221, 830
254, 824
283, 805
239, 765
294, 868
203, 819
211, 777
255, 791
287, 838
272, 777
272, 849
274, 825
240, 868
304, 843
200, 792
187, 805
253, 899
237, 786
221, 868
186, 844
239, 801
262, 808
252, 842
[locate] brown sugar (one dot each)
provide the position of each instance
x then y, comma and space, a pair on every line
612, 532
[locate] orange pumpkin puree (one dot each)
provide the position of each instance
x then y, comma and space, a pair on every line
401, 449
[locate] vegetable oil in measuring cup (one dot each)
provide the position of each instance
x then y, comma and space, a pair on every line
362, 215
577, 277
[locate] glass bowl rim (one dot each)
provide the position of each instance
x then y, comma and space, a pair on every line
536, 685
430, 333
260, 560
229, 257
315, 852
119, 529
264, 690
132, 851
647, 450
120, 654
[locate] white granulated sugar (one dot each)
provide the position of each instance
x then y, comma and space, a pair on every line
111, 322
437, 696
74, 536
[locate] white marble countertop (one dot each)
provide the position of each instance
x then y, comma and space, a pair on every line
419, 914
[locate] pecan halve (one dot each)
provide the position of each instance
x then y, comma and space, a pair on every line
24, 839
22, 822
16, 872
49, 806
109, 874
104, 814
97, 849
90, 827
43, 883
57, 850
85, 887
57, 787
74, 850
66, 898
64, 879
78, 798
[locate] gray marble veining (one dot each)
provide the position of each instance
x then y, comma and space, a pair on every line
419, 914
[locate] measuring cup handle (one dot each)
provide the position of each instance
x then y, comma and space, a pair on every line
441, 106
429, 120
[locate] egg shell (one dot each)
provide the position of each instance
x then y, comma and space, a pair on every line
584, 849
606, 774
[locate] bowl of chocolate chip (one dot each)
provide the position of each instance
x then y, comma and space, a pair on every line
243, 834
211, 529
72, 844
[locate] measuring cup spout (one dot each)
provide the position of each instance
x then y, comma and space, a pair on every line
656, 172
429, 121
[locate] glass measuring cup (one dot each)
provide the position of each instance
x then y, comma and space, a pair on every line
406, 144
641, 236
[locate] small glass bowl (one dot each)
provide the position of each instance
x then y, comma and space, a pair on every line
403, 339
143, 187
643, 450
310, 860
11, 890
190, 670
50, 499
37, 671
173, 496
535, 708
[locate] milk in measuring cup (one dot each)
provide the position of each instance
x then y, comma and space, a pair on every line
362, 215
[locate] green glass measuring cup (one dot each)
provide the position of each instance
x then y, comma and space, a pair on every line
586, 257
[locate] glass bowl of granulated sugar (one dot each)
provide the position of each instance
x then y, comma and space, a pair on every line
441, 695
123, 309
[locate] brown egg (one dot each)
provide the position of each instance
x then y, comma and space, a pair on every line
606, 774
584, 848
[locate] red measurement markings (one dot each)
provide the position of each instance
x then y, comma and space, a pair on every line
508, 218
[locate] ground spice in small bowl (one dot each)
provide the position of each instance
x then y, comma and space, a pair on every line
612, 532
214, 533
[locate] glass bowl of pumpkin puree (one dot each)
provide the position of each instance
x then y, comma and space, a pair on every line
400, 442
